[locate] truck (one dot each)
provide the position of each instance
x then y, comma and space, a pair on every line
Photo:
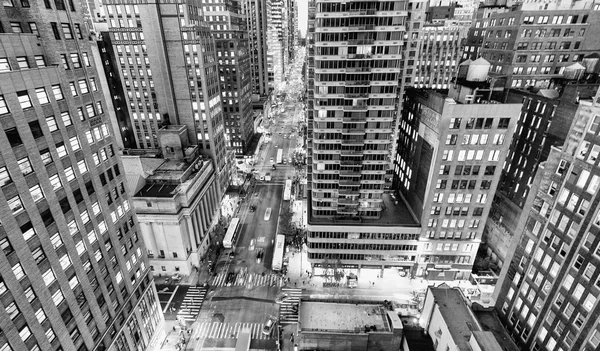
279, 156
268, 177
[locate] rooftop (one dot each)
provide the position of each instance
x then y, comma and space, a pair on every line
396, 212
457, 315
342, 317
490, 322
157, 190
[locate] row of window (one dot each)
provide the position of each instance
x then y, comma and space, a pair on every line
22, 63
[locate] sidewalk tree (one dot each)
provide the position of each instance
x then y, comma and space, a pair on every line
338, 271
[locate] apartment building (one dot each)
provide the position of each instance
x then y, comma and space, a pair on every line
256, 19
229, 28
352, 112
531, 44
277, 57
75, 273
549, 290
476, 34
168, 64
451, 148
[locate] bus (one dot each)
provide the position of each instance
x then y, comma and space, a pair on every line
278, 253
243, 340
279, 156
287, 192
231, 235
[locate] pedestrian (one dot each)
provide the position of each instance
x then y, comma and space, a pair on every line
295, 284
373, 283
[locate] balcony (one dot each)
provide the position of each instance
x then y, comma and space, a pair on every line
348, 192
351, 142
356, 82
350, 153
348, 201
361, 41
350, 163
356, 108
346, 210
362, 12
350, 173
362, 27
359, 56
353, 130
358, 69
356, 95
349, 183
355, 119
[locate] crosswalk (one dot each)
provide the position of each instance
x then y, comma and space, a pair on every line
192, 302
216, 330
288, 310
248, 279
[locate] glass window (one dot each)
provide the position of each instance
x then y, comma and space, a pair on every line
22, 62
25, 165
3, 107
41, 95
24, 99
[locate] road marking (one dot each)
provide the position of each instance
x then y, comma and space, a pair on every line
171, 299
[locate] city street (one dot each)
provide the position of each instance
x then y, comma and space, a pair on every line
242, 293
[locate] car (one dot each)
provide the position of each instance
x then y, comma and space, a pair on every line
271, 160
232, 254
262, 177
268, 214
252, 208
255, 171
282, 298
230, 277
252, 245
176, 278
259, 255
268, 326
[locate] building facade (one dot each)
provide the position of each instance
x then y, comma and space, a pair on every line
168, 64
545, 115
548, 298
229, 28
256, 19
352, 111
176, 201
276, 42
75, 273
529, 45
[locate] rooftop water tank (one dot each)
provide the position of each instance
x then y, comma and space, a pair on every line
463, 68
574, 71
478, 70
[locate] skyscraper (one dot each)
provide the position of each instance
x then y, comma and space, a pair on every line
276, 42
75, 273
168, 64
228, 26
256, 18
356, 59
548, 297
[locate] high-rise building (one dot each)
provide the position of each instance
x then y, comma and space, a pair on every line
531, 43
451, 148
435, 45
352, 115
276, 42
228, 26
75, 271
167, 62
256, 19
476, 33
548, 297
545, 115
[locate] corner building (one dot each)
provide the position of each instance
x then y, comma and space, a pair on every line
357, 58
74, 269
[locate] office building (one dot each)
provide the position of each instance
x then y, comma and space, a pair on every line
548, 298
176, 201
476, 33
531, 43
436, 44
545, 115
256, 19
451, 148
75, 273
168, 64
229, 30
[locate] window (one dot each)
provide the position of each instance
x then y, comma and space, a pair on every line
16, 27
36, 193
3, 108
66, 118
61, 150
86, 59
4, 65
18, 271
83, 86
46, 156
24, 99
75, 60
78, 31
66, 29
40, 61
25, 165
55, 30
73, 88
41, 95
4, 176
51, 122
22, 62
55, 181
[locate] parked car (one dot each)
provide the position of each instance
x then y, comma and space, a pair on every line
271, 160
232, 254
268, 326
252, 208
